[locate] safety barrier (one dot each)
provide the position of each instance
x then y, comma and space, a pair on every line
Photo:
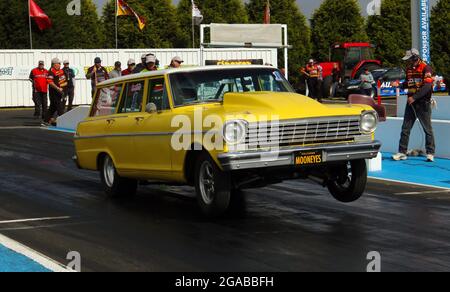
441, 112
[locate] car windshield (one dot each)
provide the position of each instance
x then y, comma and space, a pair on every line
211, 85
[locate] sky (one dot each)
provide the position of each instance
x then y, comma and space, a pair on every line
307, 6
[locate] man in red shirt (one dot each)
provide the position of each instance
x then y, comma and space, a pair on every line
38, 77
57, 82
131, 65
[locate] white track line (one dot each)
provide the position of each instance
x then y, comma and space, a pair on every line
45, 261
34, 220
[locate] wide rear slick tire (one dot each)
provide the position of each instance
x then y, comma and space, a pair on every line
212, 187
350, 181
114, 185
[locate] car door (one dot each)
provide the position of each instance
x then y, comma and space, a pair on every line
153, 137
123, 125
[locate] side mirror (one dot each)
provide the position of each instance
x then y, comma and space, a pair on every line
151, 108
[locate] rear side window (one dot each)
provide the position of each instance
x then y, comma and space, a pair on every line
106, 101
157, 94
132, 97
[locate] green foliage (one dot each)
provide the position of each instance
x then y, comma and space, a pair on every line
214, 11
162, 28
286, 12
391, 32
67, 32
336, 21
440, 38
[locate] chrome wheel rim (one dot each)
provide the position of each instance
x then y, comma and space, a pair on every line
109, 172
207, 184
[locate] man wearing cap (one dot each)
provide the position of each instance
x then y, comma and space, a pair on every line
176, 62
117, 72
150, 63
70, 89
140, 67
38, 77
97, 74
419, 82
131, 65
57, 85
312, 73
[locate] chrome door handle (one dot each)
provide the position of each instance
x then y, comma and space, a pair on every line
110, 121
139, 119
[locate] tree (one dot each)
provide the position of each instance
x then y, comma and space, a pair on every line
68, 32
440, 38
286, 12
336, 21
391, 32
214, 11
162, 29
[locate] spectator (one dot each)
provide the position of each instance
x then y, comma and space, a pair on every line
131, 65
141, 66
38, 77
419, 82
70, 90
176, 62
97, 74
367, 82
57, 85
150, 63
117, 72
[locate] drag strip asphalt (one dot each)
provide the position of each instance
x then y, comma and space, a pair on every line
294, 226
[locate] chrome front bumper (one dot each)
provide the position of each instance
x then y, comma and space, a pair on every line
286, 156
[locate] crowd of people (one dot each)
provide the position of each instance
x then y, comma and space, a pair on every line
58, 83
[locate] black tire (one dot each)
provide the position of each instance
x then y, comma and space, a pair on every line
327, 87
350, 181
114, 185
212, 186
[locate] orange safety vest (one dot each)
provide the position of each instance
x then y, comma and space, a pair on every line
313, 71
418, 76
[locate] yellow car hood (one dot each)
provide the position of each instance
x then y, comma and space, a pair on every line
284, 105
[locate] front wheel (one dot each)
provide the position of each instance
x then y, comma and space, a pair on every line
114, 185
212, 186
348, 181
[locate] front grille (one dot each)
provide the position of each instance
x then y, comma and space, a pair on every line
302, 132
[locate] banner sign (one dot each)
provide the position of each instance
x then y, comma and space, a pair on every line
234, 62
425, 30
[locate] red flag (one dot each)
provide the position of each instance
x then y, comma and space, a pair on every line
42, 20
267, 13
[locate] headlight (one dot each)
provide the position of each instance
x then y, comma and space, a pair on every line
369, 122
234, 132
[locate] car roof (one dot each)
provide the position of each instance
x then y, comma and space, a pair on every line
180, 70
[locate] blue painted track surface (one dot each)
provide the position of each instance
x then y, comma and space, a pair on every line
11, 261
415, 170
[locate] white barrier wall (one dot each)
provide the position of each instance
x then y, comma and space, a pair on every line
389, 134
442, 112
15, 66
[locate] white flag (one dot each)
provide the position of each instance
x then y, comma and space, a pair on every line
197, 16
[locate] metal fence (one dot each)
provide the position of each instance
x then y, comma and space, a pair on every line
15, 66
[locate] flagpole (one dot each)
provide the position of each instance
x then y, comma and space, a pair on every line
115, 15
29, 24
193, 26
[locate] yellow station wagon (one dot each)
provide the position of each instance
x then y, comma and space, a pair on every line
222, 129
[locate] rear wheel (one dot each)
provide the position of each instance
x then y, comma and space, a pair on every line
327, 87
114, 185
349, 181
212, 186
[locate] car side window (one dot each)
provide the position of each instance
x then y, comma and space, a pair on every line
106, 101
157, 94
132, 97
